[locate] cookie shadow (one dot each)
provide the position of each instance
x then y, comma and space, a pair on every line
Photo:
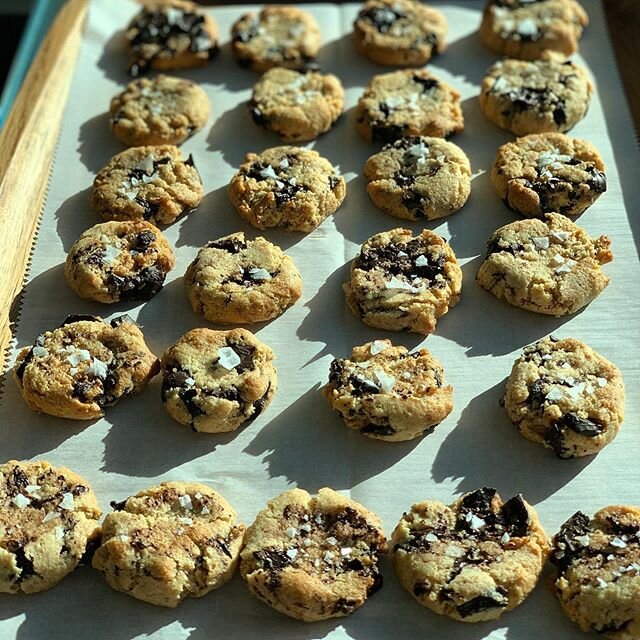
96, 143
467, 58
74, 216
114, 61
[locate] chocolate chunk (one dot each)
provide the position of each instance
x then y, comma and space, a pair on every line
80, 318
612, 627
597, 181
414, 202
230, 245
559, 115
477, 503
354, 565
81, 390
258, 405
382, 18
420, 588
516, 516
143, 241
256, 114
24, 563
245, 353
334, 181
378, 429
427, 83
23, 364
566, 551
287, 192
536, 396
336, 369
403, 180
173, 380
555, 438
481, 603
362, 386
116, 322
382, 132
582, 426
344, 605
150, 209
143, 286
620, 528
92, 546
118, 506
377, 581
272, 559
187, 396
222, 545
16, 481
498, 245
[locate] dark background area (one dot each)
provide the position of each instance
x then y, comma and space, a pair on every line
11, 27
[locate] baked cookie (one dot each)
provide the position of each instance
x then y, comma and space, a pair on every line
387, 393
402, 283
549, 266
147, 183
418, 177
289, 187
119, 262
313, 557
399, 32
535, 97
297, 105
215, 381
239, 281
411, 102
49, 519
472, 560
564, 395
170, 34
526, 29
598, 571
84, 365
173, 541
275, 37
158, 110
547, 172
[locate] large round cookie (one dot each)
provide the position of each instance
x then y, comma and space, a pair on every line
84, 365
472, 560
173, 541
549, 266
387, 393
402, 283
313, 557
49, 519
215, 381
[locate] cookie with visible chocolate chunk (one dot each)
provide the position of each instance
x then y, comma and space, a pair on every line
313, 557
147, 183
547, 172
565, 396
549, 266
215, 381
387, 393
49, 520
289, 187
411, 102
119, 262
472, 560
402, 283
83, 366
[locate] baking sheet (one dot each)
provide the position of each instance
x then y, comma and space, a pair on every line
298, 441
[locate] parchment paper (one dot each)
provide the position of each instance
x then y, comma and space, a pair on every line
298, 441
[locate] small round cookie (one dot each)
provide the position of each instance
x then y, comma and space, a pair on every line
84, 365
564, 395
387, 393
526, 29
158, 110
289, 187
549, 266
276, 37
297, 105
399, 32
472, 560
411, 102
173, 541
402, 283
119, 262
535, 97
147, 183
313, 557
215, 381
548, 172
170, 34
49, 519
598, 571
418, 177
239, 281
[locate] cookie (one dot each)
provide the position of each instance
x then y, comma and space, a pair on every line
147, 183
418, 177
158, 110
535, 97
387, 393
565, 396
298, 106
472, 560
548, 172
215, 381
83, 366
526, 29
402, 283
276, 37
289, 187
549, 266
170, 34
49, 520
313, 557
173, 541
239, 281
399, 32
412, 102
119, 262
598, 571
